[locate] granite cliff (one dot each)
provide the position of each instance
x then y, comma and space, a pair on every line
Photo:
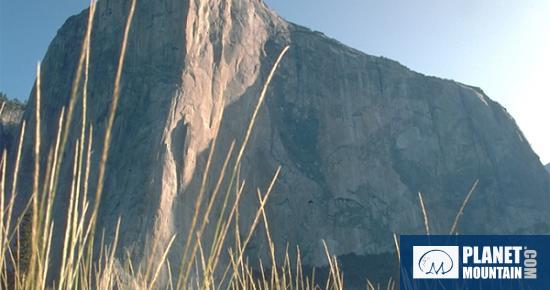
11, 113
357, 136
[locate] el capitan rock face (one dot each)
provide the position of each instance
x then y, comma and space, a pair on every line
357, 136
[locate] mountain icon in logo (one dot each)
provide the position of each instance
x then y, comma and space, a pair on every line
436, 262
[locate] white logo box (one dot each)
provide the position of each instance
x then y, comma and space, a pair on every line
435, 262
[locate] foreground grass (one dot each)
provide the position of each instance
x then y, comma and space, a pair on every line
26, 239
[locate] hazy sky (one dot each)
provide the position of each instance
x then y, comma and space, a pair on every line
502, 46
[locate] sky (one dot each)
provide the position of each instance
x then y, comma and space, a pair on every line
502, 46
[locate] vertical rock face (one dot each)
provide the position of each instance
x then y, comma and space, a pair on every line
357, 136
548, 167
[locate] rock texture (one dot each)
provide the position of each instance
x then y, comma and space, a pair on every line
548, 167
357, 136
10, 118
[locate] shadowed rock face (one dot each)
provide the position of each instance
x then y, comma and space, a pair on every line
10, 120
548, 167
357, 136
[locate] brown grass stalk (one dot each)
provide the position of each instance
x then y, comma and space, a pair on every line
424, 214
111, 117
461, 210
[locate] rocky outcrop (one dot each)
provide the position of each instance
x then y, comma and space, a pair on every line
548, 167
11, 112
357, 136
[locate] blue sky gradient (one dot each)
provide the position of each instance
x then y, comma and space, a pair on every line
502, 46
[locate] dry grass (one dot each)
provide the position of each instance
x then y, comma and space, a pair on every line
26, 240
424, 213
461, 210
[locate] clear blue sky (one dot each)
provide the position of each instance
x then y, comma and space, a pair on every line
502, 46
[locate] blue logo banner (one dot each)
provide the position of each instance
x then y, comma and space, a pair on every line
488, 262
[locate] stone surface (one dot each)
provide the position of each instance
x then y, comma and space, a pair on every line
10, 118
548, 167
357, 136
